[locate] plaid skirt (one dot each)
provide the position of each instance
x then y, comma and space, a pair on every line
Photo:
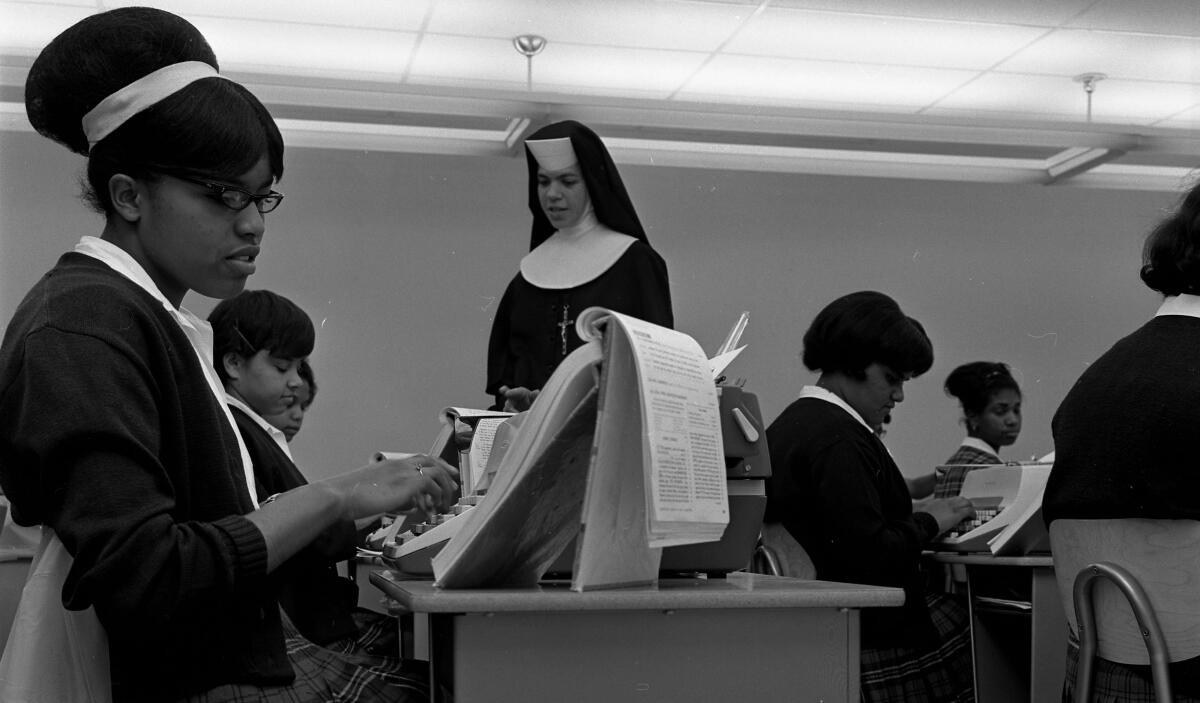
943, 674
378, 635
328, 676
1115, 683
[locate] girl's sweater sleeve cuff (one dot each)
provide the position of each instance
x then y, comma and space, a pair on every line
927, 527
247, 544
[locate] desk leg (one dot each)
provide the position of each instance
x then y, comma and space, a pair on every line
996, 641
1048, 655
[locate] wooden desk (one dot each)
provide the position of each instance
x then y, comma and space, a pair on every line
1019, 648
748, 636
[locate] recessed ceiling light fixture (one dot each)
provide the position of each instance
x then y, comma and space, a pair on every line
529, 45
1089, 81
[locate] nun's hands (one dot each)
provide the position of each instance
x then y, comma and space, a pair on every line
517, 400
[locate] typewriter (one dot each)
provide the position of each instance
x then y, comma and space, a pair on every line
747, 466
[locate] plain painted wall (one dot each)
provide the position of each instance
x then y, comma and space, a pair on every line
400, 260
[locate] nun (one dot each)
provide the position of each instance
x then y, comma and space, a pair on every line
587, 248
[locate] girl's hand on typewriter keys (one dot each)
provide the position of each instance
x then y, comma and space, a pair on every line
948, 511
418, 482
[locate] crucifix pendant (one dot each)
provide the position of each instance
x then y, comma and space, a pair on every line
562, 327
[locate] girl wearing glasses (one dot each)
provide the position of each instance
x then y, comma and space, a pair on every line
114, 434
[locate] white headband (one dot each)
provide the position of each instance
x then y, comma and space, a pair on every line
553, 154
116, 109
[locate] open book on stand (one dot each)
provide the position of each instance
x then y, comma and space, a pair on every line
622, 449
1014, 493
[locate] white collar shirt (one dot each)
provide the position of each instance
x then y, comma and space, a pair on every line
274, 432
197, 331
830, 397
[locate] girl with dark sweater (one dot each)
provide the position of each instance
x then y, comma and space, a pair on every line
114, 433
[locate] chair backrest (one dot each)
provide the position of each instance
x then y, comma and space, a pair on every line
784, 554
1164, 557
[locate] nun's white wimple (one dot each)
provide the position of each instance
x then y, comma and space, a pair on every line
553, 154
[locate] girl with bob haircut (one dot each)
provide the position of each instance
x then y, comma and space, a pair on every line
114, 432
1126, 435
835, 489
991, 404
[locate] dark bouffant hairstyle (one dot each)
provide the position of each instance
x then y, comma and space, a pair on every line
863, 328
254, 320
213, 128
1171, 256
975, 383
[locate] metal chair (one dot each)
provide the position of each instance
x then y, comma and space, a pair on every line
779, 554
1129, 589
1139, 602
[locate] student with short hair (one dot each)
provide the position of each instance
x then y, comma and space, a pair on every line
261, 341
836, 490
114, 431
291, 419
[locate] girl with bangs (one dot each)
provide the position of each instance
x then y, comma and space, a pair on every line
114, 432
836, 491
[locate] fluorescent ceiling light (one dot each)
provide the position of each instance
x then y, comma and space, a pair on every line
1070, 162
396, 138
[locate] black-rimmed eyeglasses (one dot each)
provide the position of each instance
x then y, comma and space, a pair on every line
236, 198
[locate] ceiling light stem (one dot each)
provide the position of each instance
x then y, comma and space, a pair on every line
1089, 81
529, 45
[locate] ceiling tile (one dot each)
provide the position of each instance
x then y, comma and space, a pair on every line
1134, 56
896, 41
822, 84
574, 69
1175, 17
1048, 97
1187, 119
307, 50
372, 14
26, 27
1026, 12
663, 25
